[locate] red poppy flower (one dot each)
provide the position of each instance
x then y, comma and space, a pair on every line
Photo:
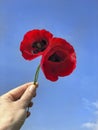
58, 60
34, 43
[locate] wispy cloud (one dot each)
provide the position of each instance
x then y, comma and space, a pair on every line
95, 104
94, 124
91, 125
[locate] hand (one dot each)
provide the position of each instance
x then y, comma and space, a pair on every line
14, 104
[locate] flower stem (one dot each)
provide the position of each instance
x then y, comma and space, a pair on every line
36, 74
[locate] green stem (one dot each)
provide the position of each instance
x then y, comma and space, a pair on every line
36, 74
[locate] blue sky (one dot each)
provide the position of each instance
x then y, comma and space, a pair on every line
71, 103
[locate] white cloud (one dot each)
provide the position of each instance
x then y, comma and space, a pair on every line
95, 104
87, 104
92, 125
88, 125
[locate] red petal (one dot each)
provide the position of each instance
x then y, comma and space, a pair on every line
30, 38
66, 65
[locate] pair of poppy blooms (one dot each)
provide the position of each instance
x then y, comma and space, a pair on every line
58, 56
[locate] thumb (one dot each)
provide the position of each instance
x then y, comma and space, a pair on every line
28, 95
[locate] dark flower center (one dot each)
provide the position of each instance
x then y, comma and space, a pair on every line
56, 58
39, 46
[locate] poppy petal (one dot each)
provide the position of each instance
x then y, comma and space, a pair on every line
34, 43
58, 60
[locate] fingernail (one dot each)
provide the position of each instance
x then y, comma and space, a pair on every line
32, 87
36, 84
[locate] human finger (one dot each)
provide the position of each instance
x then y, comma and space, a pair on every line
28, 95
16, 93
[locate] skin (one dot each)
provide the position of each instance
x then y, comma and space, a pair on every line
14, 106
